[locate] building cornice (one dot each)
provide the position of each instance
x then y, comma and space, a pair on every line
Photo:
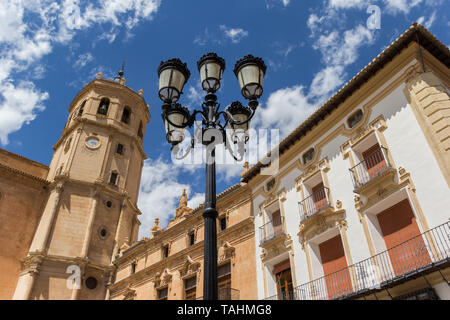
24, 174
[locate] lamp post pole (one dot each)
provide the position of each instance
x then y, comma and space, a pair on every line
173, 74
210, 288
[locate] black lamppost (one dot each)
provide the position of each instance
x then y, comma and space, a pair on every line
173, 74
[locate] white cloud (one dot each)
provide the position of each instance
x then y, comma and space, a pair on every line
83, 60
400, 6
18, 105
160, 191
346, 4
286, 2
285, 110
235, 34
28, 31
427, 23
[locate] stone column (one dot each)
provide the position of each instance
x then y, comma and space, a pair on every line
27, 279
119, 229
430, 101
88, 235
42, 234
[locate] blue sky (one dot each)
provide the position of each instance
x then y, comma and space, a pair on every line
49, 49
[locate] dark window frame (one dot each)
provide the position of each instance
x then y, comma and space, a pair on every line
106, 102
355, 118
113, 179
308, 156
120, 149
126, 115
222, 223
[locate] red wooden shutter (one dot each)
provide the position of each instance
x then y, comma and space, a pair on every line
334, 264
319, 197
276, 222
374, 161
402, 236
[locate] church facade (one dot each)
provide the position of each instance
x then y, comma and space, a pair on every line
358, 209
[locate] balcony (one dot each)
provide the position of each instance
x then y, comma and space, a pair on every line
271, 230
314, 204
291, 295
417, 256
374, 165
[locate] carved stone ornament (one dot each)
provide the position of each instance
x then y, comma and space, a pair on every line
129, 294
189, 268
382, 187
156, 228
225, 252
162, 279
32, 263
320, 223
183, 210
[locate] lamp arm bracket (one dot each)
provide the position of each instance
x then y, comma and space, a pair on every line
175, 149
240, 144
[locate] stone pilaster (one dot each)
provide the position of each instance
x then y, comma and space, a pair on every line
42, 234
430, 101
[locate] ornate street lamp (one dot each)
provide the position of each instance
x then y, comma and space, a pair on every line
173, 75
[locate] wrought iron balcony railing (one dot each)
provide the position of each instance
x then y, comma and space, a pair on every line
425, 252
314, 204
271, 230
290, 295
370, 168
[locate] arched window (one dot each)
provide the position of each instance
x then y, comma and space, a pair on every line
81, 110
126, 115
103, 106
140, 134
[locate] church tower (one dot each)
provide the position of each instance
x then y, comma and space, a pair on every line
91, 211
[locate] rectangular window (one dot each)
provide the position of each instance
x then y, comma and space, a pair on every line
334, 264
190, 287
374, 161
223, 223
224, 281
163, 293
277, 223
133, 268
282, 272
319, 197
119, 149
407, 249
165, 251
113, 179
191, 238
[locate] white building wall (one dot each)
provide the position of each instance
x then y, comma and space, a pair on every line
409, 149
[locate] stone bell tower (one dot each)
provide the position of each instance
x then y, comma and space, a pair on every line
91, 209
